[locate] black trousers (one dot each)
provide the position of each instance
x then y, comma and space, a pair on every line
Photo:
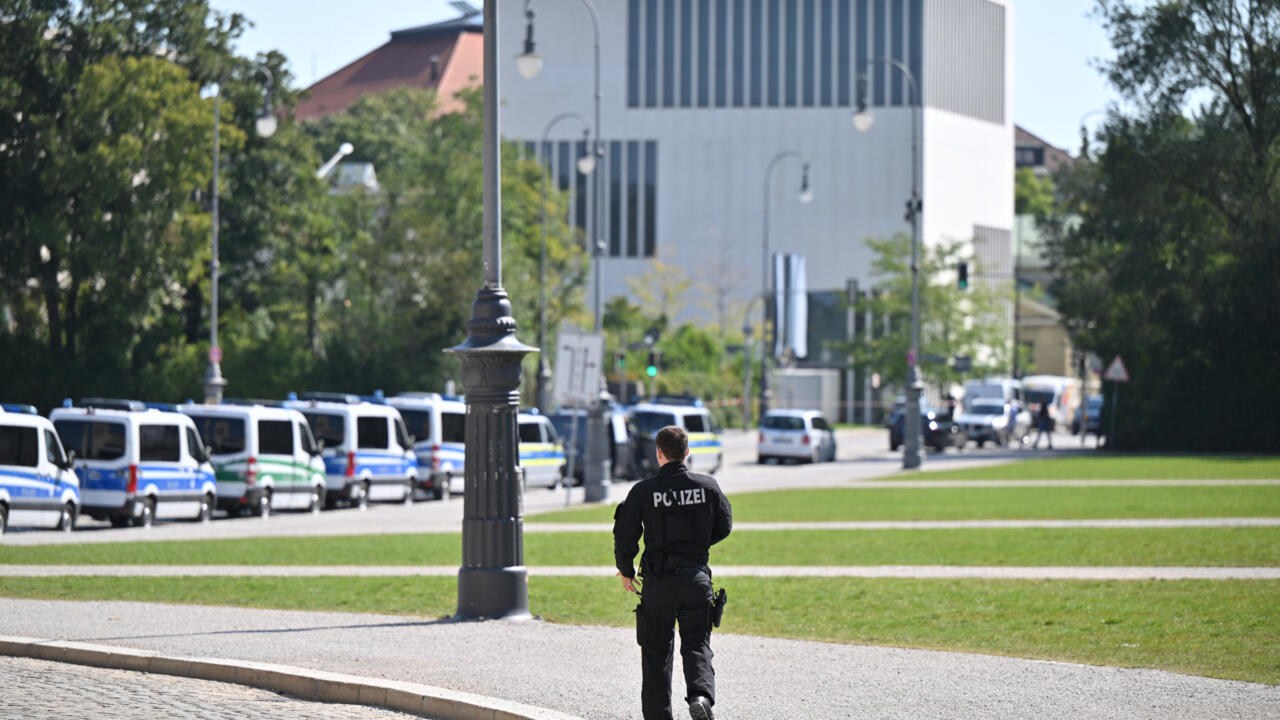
683, 596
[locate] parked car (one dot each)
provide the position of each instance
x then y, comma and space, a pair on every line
797, 434
938, 432
38, 483
987, 420
706, 453
438, 424
1088, 415
265, 458
541, 454
138, 465
367, 452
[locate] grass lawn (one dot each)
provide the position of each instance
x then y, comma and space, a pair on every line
1225, 629
985, 503
1119, 467
1056, 546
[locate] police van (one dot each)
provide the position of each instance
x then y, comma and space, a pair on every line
367, 452
265, 458
137, 465
38, 483
438, 424
541, 454
706, 452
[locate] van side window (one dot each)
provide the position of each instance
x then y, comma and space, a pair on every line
18, 446
529, 433
92, 440
308, 442
820, 424
695, 423
275, 437
224, 436
158, 443
453, 427
419, 422
195, 448
371, 433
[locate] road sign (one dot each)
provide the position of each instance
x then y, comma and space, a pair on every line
215, 354
1116, 371
579, 369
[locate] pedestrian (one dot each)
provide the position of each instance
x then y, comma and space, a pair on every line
1044, 425
680, 516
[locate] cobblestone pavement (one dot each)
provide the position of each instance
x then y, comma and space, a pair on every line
56, 690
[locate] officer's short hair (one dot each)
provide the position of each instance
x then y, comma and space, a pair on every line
673, 441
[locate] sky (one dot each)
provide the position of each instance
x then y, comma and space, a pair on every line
1056, 44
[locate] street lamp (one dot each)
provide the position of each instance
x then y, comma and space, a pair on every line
805, 195
863, 120
344, 150
586, 164
265, 125
492, 582
596, 472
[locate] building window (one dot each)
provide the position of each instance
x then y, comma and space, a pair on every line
896, 44
774, 16
824, 79
789, 77
704, 50
757, 51
633, 196
579, 200
722, 49
843, 35
615, 199
879, 71
668, 53
686, 53
739, 51
633, 53
651, 53
650, 195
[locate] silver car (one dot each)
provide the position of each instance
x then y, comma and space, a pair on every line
798, 434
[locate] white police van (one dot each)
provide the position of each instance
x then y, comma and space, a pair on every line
38, 483
139, 464
706, 452
367, 452
265, 458
541, 453
438, 424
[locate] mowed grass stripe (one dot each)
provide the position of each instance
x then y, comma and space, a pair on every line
1225, 629
1015, 503
1226, 547
1117, 467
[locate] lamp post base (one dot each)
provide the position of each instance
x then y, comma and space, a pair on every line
911, 426
486, 593
214, 384
596, 473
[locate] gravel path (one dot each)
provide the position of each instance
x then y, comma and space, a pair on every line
846, 571
593, 672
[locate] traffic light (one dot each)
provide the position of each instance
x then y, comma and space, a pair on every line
620, 361
652, 368
962, 271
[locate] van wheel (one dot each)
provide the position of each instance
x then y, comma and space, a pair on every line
119, 521
148, 516
67, 521
317, 500
4, 519
408, 492
206, 509
361, 500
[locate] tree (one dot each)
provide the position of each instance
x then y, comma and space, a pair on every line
661, 290
1032, 195
952, 322
1174, 260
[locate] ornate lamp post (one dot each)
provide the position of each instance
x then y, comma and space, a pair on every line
766, 343
863, 120
492, 582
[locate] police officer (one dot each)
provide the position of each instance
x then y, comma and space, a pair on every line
681, 515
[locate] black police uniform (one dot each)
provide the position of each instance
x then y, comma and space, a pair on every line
681, 515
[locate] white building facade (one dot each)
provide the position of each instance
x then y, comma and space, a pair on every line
699, 95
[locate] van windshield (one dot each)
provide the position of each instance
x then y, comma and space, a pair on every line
91, 439
222, 435
419, 422
649, 422
529, 433
327, 428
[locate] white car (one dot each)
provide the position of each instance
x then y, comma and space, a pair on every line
798, 434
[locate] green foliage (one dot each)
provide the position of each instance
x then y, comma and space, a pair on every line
1174, 261
1032, 195
953, 322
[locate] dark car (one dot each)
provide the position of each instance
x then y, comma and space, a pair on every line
1089, 414
938, 430
624, 443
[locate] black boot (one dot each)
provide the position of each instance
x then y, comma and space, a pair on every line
700, 708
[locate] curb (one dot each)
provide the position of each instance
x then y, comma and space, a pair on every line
422, 700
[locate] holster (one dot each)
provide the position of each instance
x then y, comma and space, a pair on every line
718, 601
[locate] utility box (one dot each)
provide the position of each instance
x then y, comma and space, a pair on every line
804, 389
